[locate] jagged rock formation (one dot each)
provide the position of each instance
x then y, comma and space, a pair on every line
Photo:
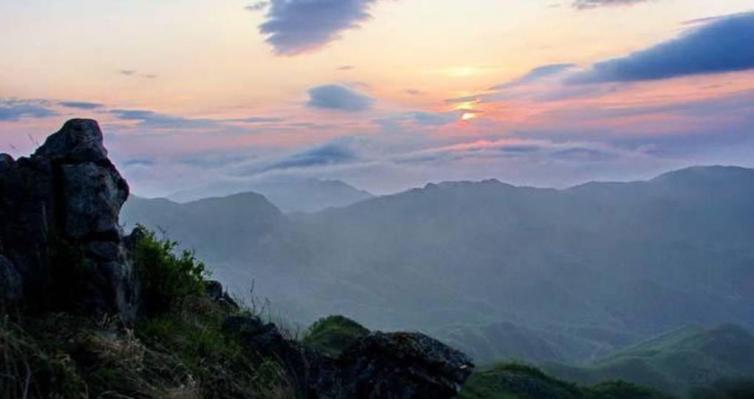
60, 242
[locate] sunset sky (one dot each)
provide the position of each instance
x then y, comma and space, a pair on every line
384, 94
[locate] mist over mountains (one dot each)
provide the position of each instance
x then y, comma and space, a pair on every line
496, 270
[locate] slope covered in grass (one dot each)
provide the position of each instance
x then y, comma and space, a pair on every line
682, 360
515, 381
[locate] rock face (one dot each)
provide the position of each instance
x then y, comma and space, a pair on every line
401, 366
60, 242
377, 366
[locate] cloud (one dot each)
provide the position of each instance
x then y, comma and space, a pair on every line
326, 155
580, 154
589, 4
435, 118
136, 74
257, 119
12, 110
297, 26
81, 105
340, 98
139, 162
346, 68
536, 74
516, 148
258, 6
151, 119
722, 45
464, 99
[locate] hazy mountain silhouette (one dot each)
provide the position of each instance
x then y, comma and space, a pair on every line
582, 271
290, 195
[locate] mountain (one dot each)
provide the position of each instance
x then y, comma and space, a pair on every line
217, 228
678, 362
289, 195
505, 340
519, 272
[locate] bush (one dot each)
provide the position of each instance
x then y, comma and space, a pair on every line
331, 335
166, 278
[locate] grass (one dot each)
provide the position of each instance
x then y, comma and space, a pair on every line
678, 362
518, 381
166, 277
331, 335
178, 350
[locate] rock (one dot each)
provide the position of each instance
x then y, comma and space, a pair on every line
379, 365
93, 197
132, 240
6, 161
215, 291
11, 289
263, 341
401, 365
59, 210
79, 141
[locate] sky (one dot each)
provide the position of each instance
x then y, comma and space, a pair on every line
384, 94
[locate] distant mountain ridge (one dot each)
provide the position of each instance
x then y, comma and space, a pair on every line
584, 271
215, 227
289, 195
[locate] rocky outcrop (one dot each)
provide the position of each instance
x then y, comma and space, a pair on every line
376, 366
401, 366
60, 242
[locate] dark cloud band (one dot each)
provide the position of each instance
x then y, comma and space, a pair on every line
722, 45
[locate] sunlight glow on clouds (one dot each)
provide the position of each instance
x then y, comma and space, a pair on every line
410, 93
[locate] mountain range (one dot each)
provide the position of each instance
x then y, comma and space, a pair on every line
500, 271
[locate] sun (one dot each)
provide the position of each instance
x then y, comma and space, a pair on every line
467, 116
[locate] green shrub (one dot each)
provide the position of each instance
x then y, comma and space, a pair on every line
166, 277
331, 335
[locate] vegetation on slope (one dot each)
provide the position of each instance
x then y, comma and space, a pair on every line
332, 334
178, 351
516, 381
677, 362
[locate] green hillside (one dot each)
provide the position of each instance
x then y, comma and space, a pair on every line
515, 381
677, 362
